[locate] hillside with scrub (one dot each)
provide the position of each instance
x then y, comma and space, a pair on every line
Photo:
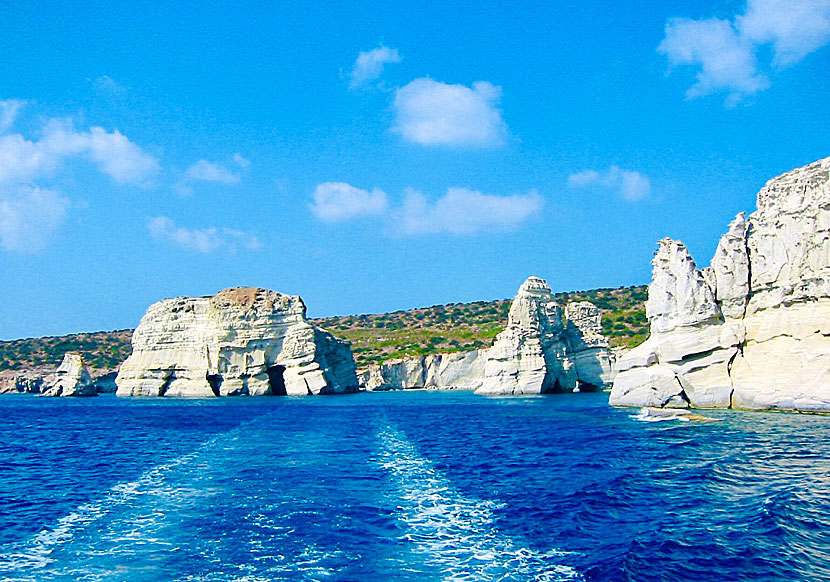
438, 329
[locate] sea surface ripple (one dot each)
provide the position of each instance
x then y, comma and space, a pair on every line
407, 486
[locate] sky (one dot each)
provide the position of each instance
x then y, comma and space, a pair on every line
372, 157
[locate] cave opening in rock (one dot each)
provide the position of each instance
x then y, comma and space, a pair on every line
215, 381
549, 387
276, 380
166, 384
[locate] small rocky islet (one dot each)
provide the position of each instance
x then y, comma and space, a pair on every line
750, 331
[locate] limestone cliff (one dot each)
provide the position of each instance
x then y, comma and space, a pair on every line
537, 352
750, 331
453, 371
241, 341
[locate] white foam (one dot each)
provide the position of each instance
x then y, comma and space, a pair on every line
35, 554
458, 534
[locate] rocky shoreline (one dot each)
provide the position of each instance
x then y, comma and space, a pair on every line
750, 331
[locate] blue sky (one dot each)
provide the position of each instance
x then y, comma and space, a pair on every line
381, 156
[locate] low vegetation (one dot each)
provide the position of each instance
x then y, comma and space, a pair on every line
104, 349
468, 326
440, 328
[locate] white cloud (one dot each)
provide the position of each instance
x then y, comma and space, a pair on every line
338, 201
9, 110
462, 212
795, 28
24, 160
241, 161
29, 216
211, 172
629, 184
108, 87
726, 51
119, 158
369, 65
432, 113
205, 240
727, 62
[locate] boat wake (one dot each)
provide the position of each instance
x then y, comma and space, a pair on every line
454, 534
33, 560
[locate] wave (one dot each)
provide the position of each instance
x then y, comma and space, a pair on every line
454, 533
28, 560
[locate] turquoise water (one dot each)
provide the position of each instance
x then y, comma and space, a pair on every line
406, 486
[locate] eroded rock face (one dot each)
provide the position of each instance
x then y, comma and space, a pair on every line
23, 381
70, 379
241, 341
453, 371
538, 353
589, 349
753, 329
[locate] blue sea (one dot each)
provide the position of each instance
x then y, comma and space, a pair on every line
426, 486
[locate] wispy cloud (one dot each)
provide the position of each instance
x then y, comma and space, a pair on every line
726, 51
106, 86
460, 211
795, 28
339, 201
629, 184
9, 110
29, 213
241, 161
369, 65
205, 240
205, 171
23, 160
464, 212
29, 216
432, 113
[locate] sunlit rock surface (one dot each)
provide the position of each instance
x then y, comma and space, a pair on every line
241, 341
750, 331
539, 351
72, 378
453, 371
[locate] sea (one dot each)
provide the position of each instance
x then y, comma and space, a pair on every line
407, 486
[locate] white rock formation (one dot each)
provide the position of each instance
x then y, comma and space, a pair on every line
28, 381
587, 347
538, 353
752, 330
70, 379
243, 340
452, 371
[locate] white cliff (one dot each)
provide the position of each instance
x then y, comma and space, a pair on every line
752, 330
70, 379
589, 349
451, 371
538, 353
241, 341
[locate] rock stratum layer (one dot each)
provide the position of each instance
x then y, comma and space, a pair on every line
752, 330
241, 341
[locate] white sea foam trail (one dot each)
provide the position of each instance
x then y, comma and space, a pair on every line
29, 560
455, 534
